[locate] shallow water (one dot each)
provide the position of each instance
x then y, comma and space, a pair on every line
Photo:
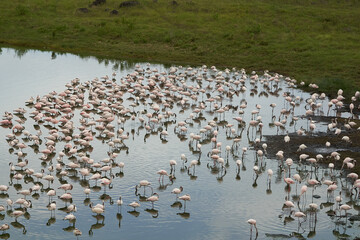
220, 203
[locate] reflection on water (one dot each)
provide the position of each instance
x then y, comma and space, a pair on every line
122, 135
116, 65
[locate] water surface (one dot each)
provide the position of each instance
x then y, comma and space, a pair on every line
221, 203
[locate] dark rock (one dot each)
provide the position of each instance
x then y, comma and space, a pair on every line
114, 12
97, 3
82, 10
174, 3
129, 4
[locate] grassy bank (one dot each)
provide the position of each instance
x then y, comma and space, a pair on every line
312, 41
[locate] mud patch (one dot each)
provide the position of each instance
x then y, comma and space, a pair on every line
316, 145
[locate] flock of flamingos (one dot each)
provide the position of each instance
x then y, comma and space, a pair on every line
64, 125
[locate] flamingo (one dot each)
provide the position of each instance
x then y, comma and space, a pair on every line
270, 173
17, 213
252, 223
162, 173
313, 183
70, 217
66, 187
98, 208
193, 163
52, 207
288, 181
77, 233
238, 164
299, 215
4, 227
25, 192
183, 158
144, 184
4, 188
177, 191
153, 198
172, 165
185, 198
134, 205
119, 202
345, 207
87, 191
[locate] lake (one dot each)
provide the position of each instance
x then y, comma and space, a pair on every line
223, 197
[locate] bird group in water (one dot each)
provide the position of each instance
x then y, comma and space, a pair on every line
61, 127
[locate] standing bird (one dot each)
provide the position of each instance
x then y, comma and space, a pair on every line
52, 207
313, 183
177, 191
338, 199
66, 196
238, 164
17, 213
77, 233
51, 193
87, 191
70, 217
71, 208
4, 227
286, 139
345, 207
25, 192
134, 205
299, 215
162, 173
183, 158
288, 180
193, 163
66, 187
144, 184
185, 198
98, 209
270, 173
9, 203
4, 188
297, 179
252, 222
303, 191
172, 166
153, 198
288, 204
119, 202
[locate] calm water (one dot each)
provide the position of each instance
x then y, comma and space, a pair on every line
221, 203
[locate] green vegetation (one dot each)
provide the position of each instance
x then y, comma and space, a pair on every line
316, 41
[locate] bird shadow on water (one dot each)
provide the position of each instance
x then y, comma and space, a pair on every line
18, 225
69, 228
119, 218
87, 201
185, 215
177, 204
4, 236
4, 195
154, 213
162, 186
134, 213
100, 219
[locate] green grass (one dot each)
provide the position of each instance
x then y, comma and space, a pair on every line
316, 41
